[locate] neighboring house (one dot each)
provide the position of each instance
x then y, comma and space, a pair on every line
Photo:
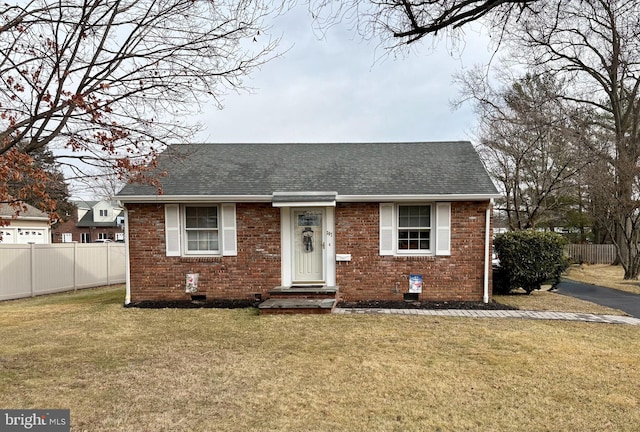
92, 221
31, 226
254, 221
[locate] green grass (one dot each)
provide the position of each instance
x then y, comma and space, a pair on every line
121, 369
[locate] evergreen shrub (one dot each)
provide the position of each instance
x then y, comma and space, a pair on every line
528, 259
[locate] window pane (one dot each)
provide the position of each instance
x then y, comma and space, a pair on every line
414, 239
414, 216
202, 240
403, 216
202, 217
424, 216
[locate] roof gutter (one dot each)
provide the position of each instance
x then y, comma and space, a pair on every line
162, 199
25, 218
416, 197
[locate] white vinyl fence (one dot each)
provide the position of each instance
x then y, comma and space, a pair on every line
35, 269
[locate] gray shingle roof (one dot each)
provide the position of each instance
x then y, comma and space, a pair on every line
7, 211
423, 168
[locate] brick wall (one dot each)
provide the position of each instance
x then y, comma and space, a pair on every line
256, 269
68, 226
371, 276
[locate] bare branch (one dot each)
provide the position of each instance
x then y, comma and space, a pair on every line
403, 22
111, 82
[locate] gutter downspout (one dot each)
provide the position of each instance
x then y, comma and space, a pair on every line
127, 297
487, 252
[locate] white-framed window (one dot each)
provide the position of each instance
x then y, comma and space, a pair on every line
85, 237
104, 212
414, 228
201, 230
102, 236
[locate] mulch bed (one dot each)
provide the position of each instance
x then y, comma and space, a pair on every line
372, 304
193, 304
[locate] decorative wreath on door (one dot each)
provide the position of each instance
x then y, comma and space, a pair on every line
307, 239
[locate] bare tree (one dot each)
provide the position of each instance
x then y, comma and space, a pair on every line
103, 185
594, 45
108, 83
530, 145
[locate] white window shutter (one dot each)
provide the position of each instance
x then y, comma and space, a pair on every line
229, 240
387, 228
443, 228
172, 229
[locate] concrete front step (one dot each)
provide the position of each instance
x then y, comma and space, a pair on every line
297, 306
304, 292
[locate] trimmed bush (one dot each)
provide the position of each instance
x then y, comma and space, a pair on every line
529, 258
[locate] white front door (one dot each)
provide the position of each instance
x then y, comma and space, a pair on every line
308, 245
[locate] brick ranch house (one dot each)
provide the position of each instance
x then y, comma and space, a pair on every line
260, 221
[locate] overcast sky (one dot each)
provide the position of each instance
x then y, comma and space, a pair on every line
341, 89
338, 88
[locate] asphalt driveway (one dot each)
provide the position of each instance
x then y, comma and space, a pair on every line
616, 299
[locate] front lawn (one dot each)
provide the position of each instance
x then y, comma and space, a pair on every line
127, 369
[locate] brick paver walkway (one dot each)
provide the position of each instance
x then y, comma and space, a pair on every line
522, 314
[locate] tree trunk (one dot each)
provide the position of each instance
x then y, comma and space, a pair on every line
627, 248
